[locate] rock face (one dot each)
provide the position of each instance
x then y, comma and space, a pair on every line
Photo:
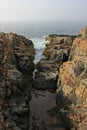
57, 51
46, 76
72, 84
84, 32
16, 67
58, 48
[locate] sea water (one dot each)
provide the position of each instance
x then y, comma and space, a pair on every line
37, 31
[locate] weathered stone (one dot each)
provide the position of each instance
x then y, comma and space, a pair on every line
59, 39
79, 49
72, 84
84, 32
57, 51
16, 67
46, 76
58, 48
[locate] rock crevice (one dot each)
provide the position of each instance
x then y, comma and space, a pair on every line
56, 52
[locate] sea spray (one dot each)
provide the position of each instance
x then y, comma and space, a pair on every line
39, 45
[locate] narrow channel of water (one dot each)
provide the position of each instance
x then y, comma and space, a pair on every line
42, 101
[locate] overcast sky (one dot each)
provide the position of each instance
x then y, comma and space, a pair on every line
43, 10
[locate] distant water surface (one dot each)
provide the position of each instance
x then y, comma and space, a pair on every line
36, 31
40, 29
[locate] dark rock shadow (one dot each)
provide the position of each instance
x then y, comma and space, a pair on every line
61, 111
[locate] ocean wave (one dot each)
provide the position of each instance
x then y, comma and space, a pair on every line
39, 45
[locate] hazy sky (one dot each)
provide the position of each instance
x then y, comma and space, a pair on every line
43, 10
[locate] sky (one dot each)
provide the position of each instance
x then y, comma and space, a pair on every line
43, 10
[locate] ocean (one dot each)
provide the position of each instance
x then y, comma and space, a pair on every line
37, 31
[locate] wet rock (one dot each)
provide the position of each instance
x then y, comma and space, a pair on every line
16, 67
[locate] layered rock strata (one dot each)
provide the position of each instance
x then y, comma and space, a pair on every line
16, 67
72, 85
56, 52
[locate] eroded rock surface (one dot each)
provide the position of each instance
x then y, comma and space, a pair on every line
83, 32
72, 84
57, 51
16, 67
46, 76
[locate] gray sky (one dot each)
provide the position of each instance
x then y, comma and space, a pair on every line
43, 10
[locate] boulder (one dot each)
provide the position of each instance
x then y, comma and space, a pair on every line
46, 75
59, 39
58, 48
16, 68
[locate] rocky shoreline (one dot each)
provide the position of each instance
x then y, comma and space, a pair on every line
63, 71
72, 84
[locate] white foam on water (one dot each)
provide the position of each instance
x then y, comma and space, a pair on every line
39, 45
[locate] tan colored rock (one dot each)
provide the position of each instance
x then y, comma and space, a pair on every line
81, 91
84, 32
79, 49
72, 84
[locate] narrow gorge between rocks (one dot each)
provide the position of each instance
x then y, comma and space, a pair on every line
59, 93
43, 107
46, 90
42, 102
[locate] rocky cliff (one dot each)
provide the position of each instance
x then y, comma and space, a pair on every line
72, 85
16, 67
56, 52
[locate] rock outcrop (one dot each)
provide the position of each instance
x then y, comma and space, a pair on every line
56, 52
46, 75
72, 84
16, 67
83, 32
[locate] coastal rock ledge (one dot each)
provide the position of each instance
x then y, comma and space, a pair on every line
16, 67
72, 85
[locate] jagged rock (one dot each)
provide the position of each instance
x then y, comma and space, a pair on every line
59, 39
16, 67
46, 76
58, 48
83, 32
57, 51
79, 49
72, 84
